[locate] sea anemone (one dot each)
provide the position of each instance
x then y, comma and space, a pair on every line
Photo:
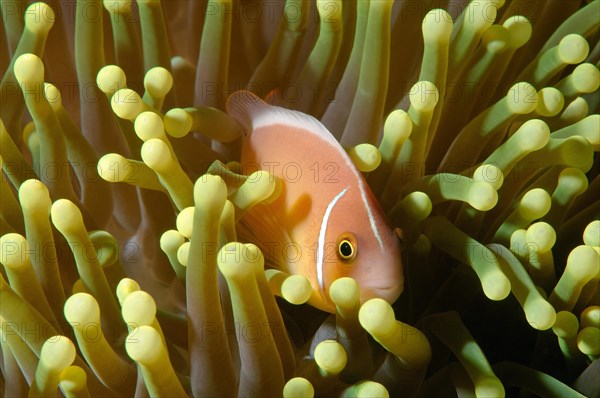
122, 191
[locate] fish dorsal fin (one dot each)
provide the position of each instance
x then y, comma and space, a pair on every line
253, 113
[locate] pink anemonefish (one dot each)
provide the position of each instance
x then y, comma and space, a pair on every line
326, 223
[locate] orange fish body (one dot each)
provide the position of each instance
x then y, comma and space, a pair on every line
325, 224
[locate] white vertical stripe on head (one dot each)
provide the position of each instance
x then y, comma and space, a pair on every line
363, 196
321, 241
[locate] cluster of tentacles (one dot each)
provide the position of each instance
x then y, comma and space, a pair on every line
476, 126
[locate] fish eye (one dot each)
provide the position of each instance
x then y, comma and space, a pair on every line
346, 247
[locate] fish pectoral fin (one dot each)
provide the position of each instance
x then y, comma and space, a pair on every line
262, 226
272, 263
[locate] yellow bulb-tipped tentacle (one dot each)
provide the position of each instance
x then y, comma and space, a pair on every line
170, 242
449, 328
298, 387
588, 341
113, 167
144, 345
211, 122
58, 353
15, 256
456, 243
83, 313
365, 157
158, 81
125, 287
66, 217
538, 311
331, 357
565, 328
202, 291
583, 264
158, 156
377, 317
239, 263
295, 289
366, 389
73, 382
345, 294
